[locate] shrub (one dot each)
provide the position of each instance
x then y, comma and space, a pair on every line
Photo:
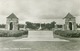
70, 34
12, 33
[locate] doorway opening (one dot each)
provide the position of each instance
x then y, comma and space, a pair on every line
11, 26
70, 25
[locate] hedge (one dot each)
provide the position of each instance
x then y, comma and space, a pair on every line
70, 34
11, 33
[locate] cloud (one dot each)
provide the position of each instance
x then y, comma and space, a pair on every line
39, 10
52, 8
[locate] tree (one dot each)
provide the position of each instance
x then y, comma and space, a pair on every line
48, 26
32, 25
53, 24
29, 25
2, 25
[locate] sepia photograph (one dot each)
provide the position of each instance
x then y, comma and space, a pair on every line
39, 25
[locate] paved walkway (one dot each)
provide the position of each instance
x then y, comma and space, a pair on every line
40, 36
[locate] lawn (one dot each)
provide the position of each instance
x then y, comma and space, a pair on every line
6, 44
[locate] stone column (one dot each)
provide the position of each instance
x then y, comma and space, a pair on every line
24, 26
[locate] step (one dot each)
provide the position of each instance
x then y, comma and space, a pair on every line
41, 39
40, 34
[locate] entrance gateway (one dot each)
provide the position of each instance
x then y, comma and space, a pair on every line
70, 22
12, 22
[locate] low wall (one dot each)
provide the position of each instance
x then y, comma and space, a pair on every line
2, 29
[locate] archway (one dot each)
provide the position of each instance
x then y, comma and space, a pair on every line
70, 26
11, 26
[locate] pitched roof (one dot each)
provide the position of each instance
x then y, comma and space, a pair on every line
12, 16
69, 16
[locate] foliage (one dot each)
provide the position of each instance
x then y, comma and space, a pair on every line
59, 26
44, 26
53, 24
70, 34
78, 26
21, 25
12, 33
2, 25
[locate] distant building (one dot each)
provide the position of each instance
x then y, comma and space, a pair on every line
70, 22
12, 22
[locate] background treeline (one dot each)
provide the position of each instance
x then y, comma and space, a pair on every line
2, 25
44, 26
78, 25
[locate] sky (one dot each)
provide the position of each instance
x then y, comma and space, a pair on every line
39, 11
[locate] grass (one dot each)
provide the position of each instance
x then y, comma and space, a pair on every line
38, 45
